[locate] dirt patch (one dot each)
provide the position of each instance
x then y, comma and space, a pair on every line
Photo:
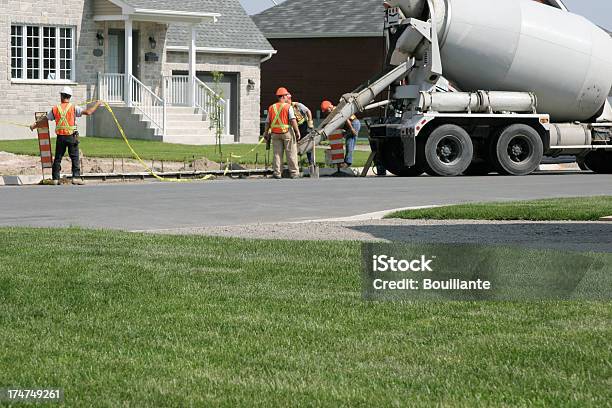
19, 165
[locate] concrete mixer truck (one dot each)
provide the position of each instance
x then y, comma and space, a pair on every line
481, 86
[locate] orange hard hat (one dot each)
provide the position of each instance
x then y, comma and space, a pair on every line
281, 91
326, 105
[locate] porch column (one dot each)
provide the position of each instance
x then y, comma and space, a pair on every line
192, 67
129, 43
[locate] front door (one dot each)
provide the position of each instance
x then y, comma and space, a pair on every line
228, 88
115, 61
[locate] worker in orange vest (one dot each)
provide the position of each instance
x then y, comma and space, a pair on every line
64, 115
282, 128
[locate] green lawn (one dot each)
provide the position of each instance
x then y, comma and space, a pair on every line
150, 150
120, 319
558, 209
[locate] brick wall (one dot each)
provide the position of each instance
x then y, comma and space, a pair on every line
314, 69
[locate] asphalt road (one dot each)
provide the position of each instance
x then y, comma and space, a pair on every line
155, 206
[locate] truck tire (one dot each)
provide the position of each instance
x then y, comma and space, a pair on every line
391, 155
448, 151
517, 151
599, 162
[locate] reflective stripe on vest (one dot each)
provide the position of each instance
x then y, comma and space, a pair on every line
65, 120
277, 125
299, 116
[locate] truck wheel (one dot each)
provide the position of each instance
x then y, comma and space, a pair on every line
391, 154
599, 162
518, 151
448, 151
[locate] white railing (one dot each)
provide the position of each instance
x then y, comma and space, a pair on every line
151, 106
111, 87
177, 90
212, 103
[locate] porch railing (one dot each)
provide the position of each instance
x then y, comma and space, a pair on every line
151, 106
212, 103
111, 87
177, 90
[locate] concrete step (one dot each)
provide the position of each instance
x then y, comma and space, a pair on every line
188, 117
181, 110
185, 124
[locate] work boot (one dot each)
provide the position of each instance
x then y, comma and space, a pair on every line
55, 182
78, 182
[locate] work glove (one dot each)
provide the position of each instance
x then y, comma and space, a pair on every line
310, 125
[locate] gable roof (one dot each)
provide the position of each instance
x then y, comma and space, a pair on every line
234, 29
322, 18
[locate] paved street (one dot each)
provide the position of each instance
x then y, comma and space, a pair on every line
154, 206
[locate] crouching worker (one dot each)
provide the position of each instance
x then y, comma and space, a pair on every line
64, 115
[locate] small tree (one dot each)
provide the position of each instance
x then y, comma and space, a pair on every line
217, 110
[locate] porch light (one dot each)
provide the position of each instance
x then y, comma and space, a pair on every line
100, 38
251, 85
152, 43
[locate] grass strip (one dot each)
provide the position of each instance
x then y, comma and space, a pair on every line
153, 150
558, 209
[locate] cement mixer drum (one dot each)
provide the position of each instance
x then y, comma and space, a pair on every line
523, 45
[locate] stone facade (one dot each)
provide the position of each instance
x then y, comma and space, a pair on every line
23, 98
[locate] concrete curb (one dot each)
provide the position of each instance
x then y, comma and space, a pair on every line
560, 167
20, 180
608, 219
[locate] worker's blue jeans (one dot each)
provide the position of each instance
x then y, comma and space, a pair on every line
351, 142
304, 132
63, 143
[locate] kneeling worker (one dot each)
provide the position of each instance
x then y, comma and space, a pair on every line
282, 127
65, 115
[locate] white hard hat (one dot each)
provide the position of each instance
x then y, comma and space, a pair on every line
67, 91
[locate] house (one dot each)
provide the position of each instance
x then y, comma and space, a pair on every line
326, 48
153, 60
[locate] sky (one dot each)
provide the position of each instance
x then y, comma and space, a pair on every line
599, 11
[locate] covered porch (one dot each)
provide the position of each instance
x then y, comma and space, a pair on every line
137, 81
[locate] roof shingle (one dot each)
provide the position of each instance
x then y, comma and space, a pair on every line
322, 18
234, 29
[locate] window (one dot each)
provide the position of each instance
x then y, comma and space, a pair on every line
16, 52
42, 52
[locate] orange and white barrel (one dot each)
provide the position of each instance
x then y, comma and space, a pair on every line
335, 154
44, 142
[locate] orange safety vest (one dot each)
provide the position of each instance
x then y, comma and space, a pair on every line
279, 114
65, 119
